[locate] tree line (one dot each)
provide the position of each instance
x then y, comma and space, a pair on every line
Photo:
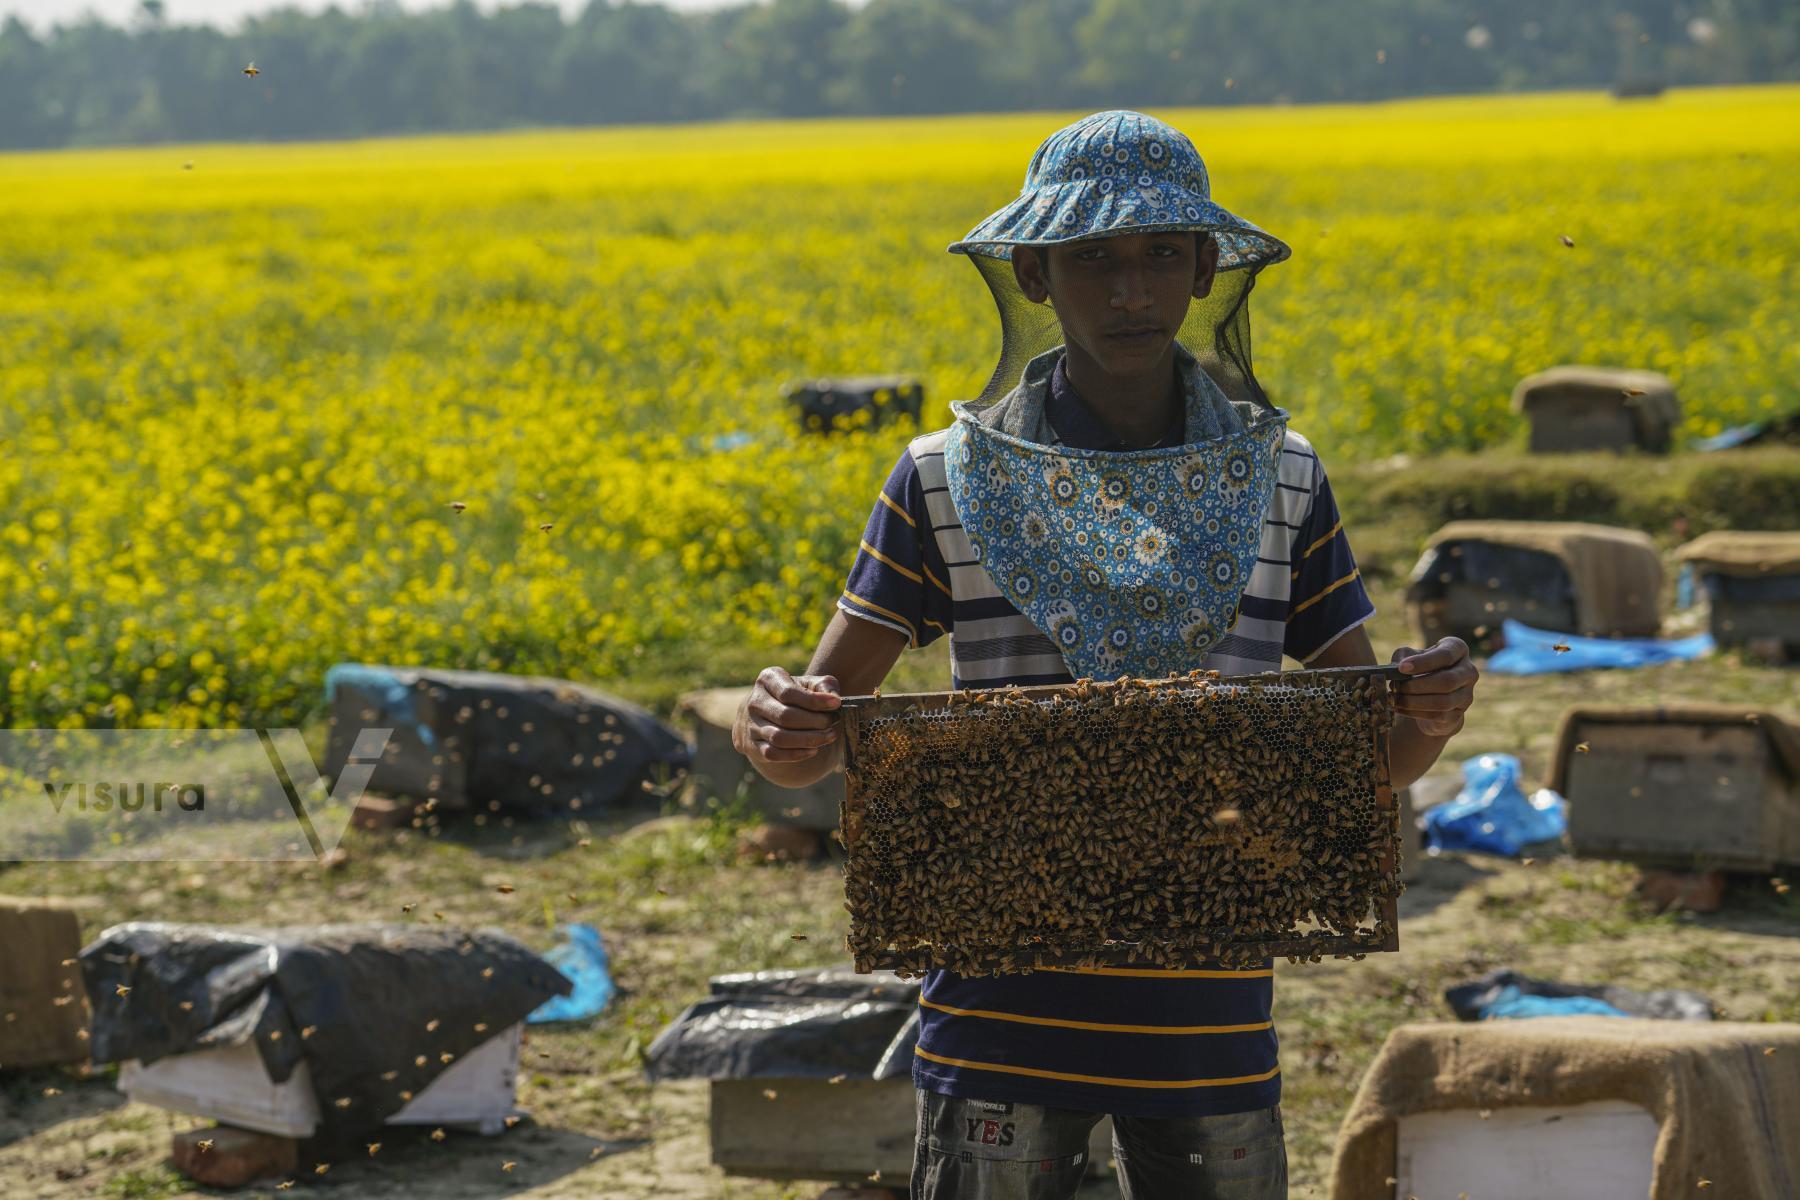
383, 70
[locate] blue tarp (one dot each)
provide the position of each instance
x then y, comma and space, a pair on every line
1513, 1003
1492, 813
1532, 651
581, 957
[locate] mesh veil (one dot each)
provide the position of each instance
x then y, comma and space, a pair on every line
1216, 331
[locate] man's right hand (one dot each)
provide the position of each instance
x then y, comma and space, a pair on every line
787, 718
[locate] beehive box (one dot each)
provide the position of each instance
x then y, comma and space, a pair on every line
485, 740
43, 1006
1563, 576
1156, 821
1575, 408
1601, 1150
1752, 584
721, 770
859, 402
1697, 786
230, 1084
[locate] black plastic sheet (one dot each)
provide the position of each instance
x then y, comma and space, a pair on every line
789, 1025
471, 738
353, 1001
1468, 1000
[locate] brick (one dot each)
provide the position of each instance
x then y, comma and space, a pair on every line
1694, 891
383, 812
782, 843
232, 1157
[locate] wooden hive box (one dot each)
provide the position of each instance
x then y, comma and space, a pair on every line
43, 1005
1563, 576
858, 402
720, 770
1752, 585
1699, 786
486, 740
1574, 408
1587, 1108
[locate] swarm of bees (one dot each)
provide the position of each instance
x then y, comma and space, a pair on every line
1160, 822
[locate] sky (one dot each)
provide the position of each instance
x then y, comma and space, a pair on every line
41, 14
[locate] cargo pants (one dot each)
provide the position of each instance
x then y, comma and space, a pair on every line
985, 1150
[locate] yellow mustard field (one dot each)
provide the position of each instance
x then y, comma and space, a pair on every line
242, 386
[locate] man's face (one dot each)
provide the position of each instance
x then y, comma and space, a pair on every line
1121, 299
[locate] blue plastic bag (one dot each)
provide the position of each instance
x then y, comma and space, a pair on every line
1492, 812
1513, 1003
582, 958
1533, 651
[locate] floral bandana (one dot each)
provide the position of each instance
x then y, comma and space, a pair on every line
1131, 562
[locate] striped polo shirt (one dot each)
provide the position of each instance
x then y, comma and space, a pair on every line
1135, 1041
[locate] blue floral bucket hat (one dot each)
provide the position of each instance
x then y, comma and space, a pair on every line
1122, 172
1118, 172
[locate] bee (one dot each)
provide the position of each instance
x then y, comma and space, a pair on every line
1581, 747
204, 1145
437, 1135
374, 1148
1560, 647
508, 1165
505, 889
546, 527
1568, 241
252, 70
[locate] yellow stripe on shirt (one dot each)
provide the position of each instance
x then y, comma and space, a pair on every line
1059, 1023
1147, 973
886, 612
904, 515
879, 557
1103, 1080
1300, 608
1329, 534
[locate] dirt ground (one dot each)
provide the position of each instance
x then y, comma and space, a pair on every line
677, 903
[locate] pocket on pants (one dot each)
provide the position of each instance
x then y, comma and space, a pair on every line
978, 1150
1235, 1156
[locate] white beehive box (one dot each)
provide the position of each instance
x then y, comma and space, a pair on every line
230, 1085
1600, 1151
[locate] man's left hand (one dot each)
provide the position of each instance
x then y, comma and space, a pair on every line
1437, 687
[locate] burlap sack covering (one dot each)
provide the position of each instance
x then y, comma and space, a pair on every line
1782, 731
1728, 1111
1653, 413
1617, 573
1752, 555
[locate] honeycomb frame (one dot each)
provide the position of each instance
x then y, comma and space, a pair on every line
975, 843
